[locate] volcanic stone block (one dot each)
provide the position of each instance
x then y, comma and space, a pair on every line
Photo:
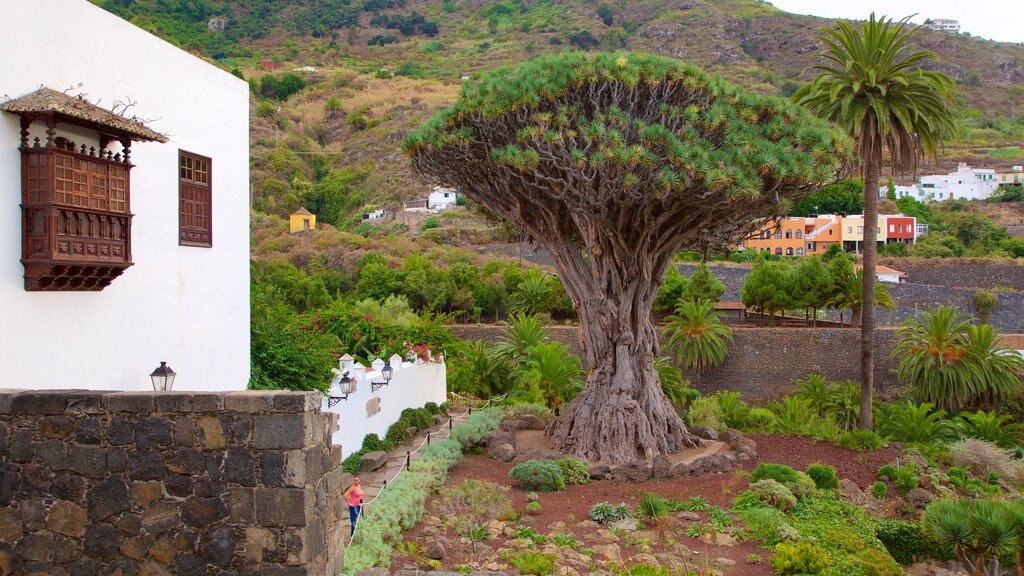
8, 482
212, 432
178, 485
102, 540
21, 445
145, 493
373, 461
297, 401
241, 507
202, 512
84, 567
168, 402
35, 479
10, 525
282, 431
120, 431
187, 461
283, 506
239, 467
219, 548
88, 461
58, 427
250, 401
184, 431
190, 564
160, 517
272, 468
88, 431
66, 518
52, 453
152, 433
202, 402
37, 546
40, 402
117, 459
68, 486
146, 465
107, 498
134, 402
33, 515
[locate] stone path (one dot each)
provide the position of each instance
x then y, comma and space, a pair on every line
373, 481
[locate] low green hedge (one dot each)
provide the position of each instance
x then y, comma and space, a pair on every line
398, 432
401, 505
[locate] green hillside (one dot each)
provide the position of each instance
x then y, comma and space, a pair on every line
329, 138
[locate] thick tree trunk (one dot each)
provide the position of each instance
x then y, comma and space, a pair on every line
867, 311
622, 414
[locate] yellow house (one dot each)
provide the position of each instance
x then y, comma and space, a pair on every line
852, 230
302, 220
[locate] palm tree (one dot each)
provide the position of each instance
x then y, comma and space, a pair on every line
873, 86
697, 335
521, 333
554, 370
849, 295
955, 364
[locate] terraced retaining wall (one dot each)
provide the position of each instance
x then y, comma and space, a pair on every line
232, 483
764, 363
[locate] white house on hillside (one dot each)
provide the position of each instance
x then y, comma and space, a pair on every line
124, 169
966, 183
442, 198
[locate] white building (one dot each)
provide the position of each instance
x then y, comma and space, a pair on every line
943, 25
442, 198
128, 242
966, 183
902, 192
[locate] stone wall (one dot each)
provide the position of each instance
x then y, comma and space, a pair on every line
765, 363
972, 274
129, 483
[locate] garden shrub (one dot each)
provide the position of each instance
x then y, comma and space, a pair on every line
644, 570
824, 476
799, 558
526, 409
879, 489
533, 508
473, 503
982, 457
957, 476
860, 440
843, 530
604, 513
705, 412
772, 493
906, 480
532, 562
477, 427
574, 471
905, 541
652, 506
760, 421
778, 472
887, 472
801, 487
765, 524
373, 443
539, 475
532, 497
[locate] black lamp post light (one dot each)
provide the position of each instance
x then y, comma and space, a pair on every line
162, 377
385, 373
341, 387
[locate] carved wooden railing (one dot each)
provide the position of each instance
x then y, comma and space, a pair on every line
76, 220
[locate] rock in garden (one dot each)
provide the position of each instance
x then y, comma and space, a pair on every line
688, 516
501, 451
705, 433
374, 572
638, 471
599, 471
624, 524
373, 461
724, 561
532, 422
435, 551
920, 497
662, 467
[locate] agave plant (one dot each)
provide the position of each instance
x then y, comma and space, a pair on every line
991, 427
921, 423
977, 532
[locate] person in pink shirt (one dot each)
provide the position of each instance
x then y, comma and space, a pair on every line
354, 497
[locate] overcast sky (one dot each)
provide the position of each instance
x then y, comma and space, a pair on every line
1001, 20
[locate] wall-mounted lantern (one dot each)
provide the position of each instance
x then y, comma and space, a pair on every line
341, 387
385, 371
162, 377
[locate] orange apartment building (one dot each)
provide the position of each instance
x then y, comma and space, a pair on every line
798, 236
801, 236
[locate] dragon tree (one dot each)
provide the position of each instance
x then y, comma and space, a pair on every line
613, 163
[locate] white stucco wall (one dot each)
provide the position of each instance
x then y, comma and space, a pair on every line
188, 306
411, 386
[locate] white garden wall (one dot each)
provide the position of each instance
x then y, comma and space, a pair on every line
411, 386
188, 306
